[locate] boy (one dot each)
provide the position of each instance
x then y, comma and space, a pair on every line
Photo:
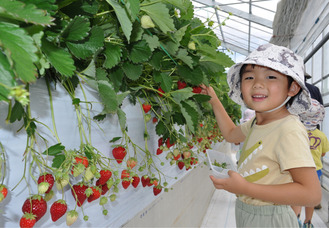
275, 168
319, 145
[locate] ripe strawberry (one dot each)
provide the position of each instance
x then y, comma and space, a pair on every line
3, 192
181, 164
58, 209
82, 160
197, 89
159, 151
135, 181
105, 189
71, 217
157, 190
154, 120
160, 141
146, 107
95, 195
146, 181
125, 184
181, 85
105, 176
169, 143
78, 192
28, 220
161, 92
79, 165
119, 153
131, 162
125, 174
177, 157
35, 205
47, 178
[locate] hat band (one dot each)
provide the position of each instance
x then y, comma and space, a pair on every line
286, 100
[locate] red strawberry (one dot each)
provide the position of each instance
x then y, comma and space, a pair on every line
157, 190
169, 143
95, 195
48, 178
125, 184
28, 220
177, 157
197, 89
135, 181
119, 153
3, 192
146, 181
125, 174
78, 192
180, 165
82, 160
35, 205
76, 169
154, 120
104, 189
146, 107
181, 85
159, 151
160, 141
161, 92
105, 176
58, 209
131, 163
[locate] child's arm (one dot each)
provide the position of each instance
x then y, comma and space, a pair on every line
229, 130
305, 190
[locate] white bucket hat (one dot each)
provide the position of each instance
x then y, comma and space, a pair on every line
314, 116
280, 59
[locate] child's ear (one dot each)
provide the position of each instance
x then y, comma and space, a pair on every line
294, 89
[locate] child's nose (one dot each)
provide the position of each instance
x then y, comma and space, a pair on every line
258, 83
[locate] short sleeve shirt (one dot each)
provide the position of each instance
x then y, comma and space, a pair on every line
319, 145
271, 150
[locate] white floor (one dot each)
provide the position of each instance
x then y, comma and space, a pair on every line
221, 212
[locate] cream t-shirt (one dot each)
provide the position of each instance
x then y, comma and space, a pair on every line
272, 150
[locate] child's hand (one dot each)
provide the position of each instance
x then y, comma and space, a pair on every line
210, 92
235, 183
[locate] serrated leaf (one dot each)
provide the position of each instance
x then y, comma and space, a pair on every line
182, 94
54, 150
160, 16
108, 96
77, 29
140, 52
132, 7
27, 13
170, 47
212, 55
20, 50
132, 71
60, 59
152, 41
17, 112
90, 45
115, 139
112, 54
58, 161
48, 5
123, 18
190, 115
179, 34
160, 128
122, 118
182, 54
193, 76
164, 79
6, 77
156, 59
122, 96
116, 78
185, 6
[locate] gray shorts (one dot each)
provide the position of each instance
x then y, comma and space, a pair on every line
247, 215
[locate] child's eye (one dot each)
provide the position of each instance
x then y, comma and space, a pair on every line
248, 78
271, 77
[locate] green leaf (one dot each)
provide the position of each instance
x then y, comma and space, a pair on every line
190, 115
160, 16
164, 79
90, 45
182, 94
140, 52
54, 150
115, 139
195, 76
116, 78
215, 56
6, 77
182, 54
185, 6
112, 54
152, 41
58, 161
156, 59
76, 29
49, 5
20, 50
27, 13
122, 96
123, 18
108, 96
132, 7
132, 71
122, 118
160, 128
179, 34
60, 59
17, 112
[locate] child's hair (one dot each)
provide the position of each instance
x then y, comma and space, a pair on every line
290, 80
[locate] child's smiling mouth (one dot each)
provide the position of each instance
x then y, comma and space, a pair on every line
258, 97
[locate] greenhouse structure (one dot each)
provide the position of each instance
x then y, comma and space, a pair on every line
137, 113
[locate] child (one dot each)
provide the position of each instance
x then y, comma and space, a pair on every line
319, 145
275, 168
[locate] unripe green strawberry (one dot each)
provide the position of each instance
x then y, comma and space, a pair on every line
78, 169
71, 217
43, 187
113, 197
110, 183
88, 174
103, 200
62, 181
148, 117
147, 22
175, 152
191, 45
49, 195
210, 23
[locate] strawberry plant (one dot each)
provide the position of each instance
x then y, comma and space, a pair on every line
154, 54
